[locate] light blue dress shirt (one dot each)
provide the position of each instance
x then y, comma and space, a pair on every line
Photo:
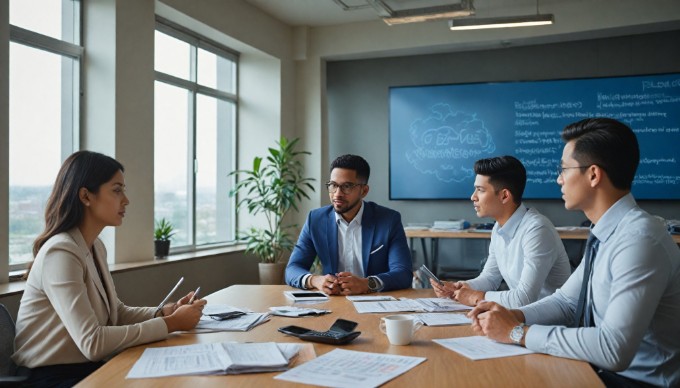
635, 298
529, 255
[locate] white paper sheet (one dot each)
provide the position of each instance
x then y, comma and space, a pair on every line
369, 298
242, 323
405, 305
481, 348
348, 368
443, 319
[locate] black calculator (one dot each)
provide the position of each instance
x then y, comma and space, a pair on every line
341, 332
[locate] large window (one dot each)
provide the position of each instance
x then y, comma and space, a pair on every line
195, 121
44, 68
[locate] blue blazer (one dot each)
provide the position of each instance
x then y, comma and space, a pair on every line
380, 226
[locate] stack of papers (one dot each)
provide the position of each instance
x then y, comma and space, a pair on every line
348, 368
451, 225
294, 311
369, 298
481, 348
215, 358
404, 305
244, 322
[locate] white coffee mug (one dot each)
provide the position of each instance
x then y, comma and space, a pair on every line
400, 328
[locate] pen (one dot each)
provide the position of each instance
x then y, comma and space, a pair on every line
193, 297
160, 306
377, 249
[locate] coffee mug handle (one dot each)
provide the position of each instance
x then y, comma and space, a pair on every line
382, 326
417, 325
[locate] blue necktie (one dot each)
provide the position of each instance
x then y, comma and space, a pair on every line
583, 316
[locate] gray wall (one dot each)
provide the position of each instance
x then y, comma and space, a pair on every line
358, 105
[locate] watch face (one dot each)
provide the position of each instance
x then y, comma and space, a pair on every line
372, 284
516, 334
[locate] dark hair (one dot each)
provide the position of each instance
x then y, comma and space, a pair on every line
504, 172
607, 143
64, 210
353, 162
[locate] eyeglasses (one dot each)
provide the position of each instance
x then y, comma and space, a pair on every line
345, 188
561, 169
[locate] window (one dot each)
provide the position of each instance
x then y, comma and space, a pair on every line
44, 75
194, 137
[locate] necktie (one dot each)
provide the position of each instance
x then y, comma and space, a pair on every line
583, 315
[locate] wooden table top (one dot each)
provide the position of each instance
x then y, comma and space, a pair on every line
442, 367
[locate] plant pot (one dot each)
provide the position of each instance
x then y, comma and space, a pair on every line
272, 273
161, 248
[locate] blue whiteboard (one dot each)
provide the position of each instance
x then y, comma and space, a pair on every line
438, 132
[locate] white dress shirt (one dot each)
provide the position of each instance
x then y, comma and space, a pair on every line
529, 255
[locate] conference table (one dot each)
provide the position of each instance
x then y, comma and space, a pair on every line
443, 367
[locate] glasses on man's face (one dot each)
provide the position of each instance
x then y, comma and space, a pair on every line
560, 169
345, 188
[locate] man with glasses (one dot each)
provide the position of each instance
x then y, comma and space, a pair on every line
620, 309
361, 245
525, 250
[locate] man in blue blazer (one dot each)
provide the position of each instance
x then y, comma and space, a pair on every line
361, 245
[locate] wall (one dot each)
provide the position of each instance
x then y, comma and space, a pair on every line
357, 94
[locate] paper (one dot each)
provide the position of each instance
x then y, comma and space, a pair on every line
369, 298
481, 348
242, 323
213, 358
348, 368
294, 311
443, 319
405, 305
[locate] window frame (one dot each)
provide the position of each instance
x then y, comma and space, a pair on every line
71, 91
194, 88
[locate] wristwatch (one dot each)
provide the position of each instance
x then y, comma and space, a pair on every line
517, 333
373, 284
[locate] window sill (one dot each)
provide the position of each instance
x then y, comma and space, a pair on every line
17, 286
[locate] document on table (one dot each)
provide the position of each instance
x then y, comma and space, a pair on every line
241, 323
404, 305
481, 348
443, 319
369, 298
294, 311
213, 358
349, 368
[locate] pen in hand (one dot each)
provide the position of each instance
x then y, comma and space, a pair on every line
193, 297
160, 306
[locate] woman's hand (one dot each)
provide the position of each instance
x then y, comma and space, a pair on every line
170, 308
185, 316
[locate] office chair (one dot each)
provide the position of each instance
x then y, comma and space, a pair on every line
8, 375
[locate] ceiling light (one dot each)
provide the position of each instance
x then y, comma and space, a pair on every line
501, 22
391, 17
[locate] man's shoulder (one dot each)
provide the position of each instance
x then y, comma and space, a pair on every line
533, 218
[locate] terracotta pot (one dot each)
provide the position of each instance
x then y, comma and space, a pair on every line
272, 273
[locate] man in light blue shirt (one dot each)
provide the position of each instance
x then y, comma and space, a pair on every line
624, 313
525, 249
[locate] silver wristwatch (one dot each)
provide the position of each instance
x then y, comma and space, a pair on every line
373, 284
517, 333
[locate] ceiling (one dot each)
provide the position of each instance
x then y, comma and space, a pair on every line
320, 13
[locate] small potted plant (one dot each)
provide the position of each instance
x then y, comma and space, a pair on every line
162, 234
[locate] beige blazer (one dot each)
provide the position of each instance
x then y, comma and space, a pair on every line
68, 316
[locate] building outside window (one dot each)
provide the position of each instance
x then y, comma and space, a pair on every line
196, 96
44, 103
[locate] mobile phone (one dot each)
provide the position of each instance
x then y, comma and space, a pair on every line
308, 294
343, 326
430, 275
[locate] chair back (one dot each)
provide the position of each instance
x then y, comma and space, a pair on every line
7, 366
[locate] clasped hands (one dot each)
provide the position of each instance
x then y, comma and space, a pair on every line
343, 283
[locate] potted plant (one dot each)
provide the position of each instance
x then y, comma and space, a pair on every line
272, 189
162, 234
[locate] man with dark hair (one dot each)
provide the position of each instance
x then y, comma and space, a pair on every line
361, 245
623, 301
525, 249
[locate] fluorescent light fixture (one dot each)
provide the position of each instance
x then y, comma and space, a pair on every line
415, 15
501, 22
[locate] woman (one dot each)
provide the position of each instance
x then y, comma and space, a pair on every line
70, 318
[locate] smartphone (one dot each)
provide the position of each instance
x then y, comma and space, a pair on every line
430, 275
308, 294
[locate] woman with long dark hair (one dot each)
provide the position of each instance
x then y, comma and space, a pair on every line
70, 318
